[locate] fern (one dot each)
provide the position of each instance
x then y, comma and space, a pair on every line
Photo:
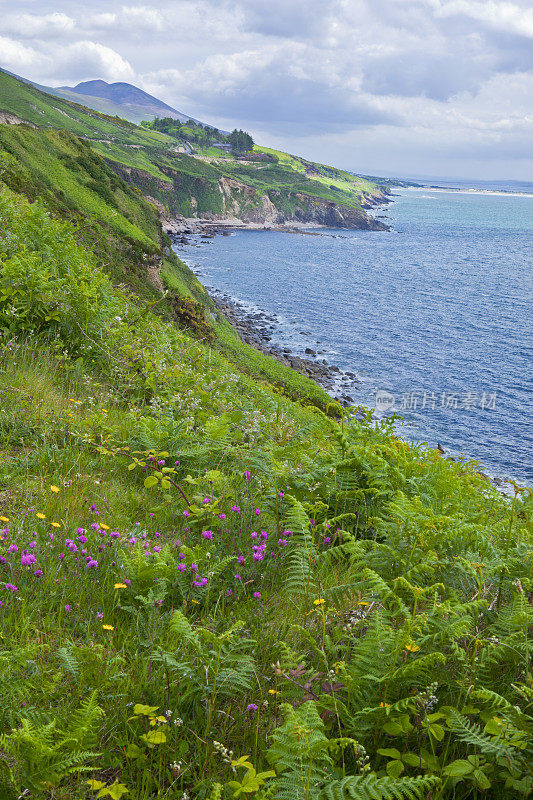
301, 552
370, 787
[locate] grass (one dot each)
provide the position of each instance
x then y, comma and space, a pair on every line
208, 590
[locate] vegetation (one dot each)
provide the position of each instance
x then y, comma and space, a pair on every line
214, 582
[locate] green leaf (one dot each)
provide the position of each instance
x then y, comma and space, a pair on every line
154, 737
138, 708
481, 779
390, 752
458, 768
165, 484
394, 769
95, 785
150, 481
437, 731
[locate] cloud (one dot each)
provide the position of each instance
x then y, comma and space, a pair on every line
29, 26
396, 78
85, 59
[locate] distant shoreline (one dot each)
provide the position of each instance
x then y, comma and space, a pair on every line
462, 190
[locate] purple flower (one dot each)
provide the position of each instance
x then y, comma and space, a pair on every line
194, 567
81, 538
207, 534
99, 615
241, 559
95, 526
161, 462
252, 708
264, 535
327, 539
133, 540
206, 500
157, 535
280, 494
247, 475
258, 556
80, 531
222, 516
12, 549
127, 581
92, 563
257, 512
186, 513
27, 559
236, 509
93, 507
11, 587
257, 595
67, 607
253, 535
182, 567
282, 542
157, 549
38, 573
32, 544
176, 463
61, 556
114, 535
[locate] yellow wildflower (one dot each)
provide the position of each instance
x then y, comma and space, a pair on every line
319, 602
4, 519
413, 648
384, 705
54, 489
363, 603
105, 527
108, 627
120, 586
272, 691
41, 516
55, 524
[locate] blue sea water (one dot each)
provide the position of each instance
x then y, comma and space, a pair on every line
436, 313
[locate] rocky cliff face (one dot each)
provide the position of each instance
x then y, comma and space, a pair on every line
228, 200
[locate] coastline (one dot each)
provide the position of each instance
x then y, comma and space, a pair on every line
256, 327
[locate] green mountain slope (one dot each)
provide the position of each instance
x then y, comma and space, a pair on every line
287, 191
207, 589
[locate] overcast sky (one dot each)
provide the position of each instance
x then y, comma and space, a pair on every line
388, 87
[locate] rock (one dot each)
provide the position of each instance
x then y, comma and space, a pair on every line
310, 352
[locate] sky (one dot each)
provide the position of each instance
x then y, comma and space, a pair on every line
386, 87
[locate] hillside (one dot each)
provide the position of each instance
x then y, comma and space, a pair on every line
205, 184
214, 582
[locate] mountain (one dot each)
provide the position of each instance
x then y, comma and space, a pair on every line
266, 188
132, 100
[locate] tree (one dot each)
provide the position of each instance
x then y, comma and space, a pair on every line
240, 141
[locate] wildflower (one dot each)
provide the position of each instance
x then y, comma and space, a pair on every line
105, 527
238, 578
11, 587
161, 462
253, 535
258, 555
114, 535
120, 586
207, 534
95, 526
252, 708
186, 513
99, 615
280, 494
182, 567
55, 524
67, 607
38, 573
108, 627
27, 559
264, 535
41, 516
206, 500
319, 602
222, 516
257, 595
92, 563
413, 648
384, 705
327, 539
54, 489
247, 475
157, 549
363, 603
194, 567
12, 548
4, 519
241, 559
257, 512
236, 509
282, 542
272, 691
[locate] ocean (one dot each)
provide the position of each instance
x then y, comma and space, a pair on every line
434, 317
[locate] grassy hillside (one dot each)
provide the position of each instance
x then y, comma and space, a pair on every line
210, 591
149, 160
